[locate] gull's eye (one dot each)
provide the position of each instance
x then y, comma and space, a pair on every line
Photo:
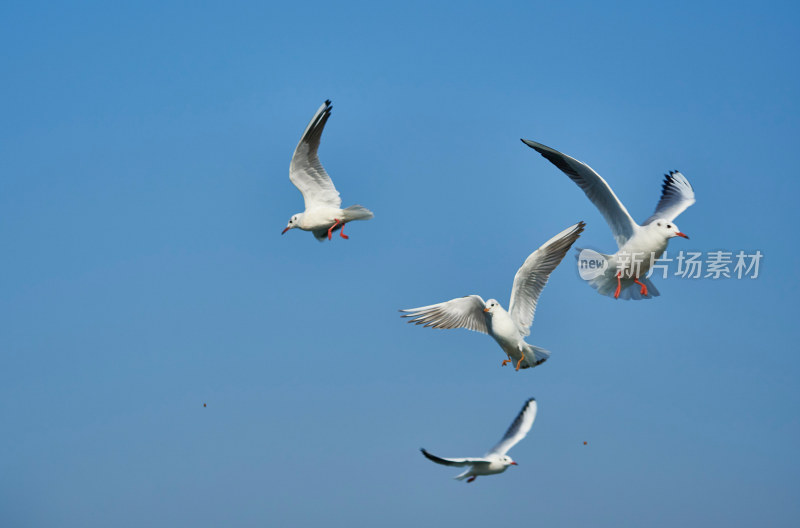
669, 226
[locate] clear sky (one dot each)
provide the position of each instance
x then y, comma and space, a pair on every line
144, 154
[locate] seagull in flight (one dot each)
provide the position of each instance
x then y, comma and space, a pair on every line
495, 461
639, 245
323, 214
508, 328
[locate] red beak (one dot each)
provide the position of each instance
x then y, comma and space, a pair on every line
681, 235
285, 230
514, 464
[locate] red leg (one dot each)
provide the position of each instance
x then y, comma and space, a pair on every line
643, 291
619, 285
505, 362
341, 232
330, 229
520, 361
471, 478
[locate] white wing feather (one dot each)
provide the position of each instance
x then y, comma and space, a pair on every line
519, 428
306, 171
595, 187
532, 276
464, 312
676, 196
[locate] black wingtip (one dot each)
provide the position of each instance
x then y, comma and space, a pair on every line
544, 150
327, 102
579, 227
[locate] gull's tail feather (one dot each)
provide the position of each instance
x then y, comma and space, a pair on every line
606, 283
463, 475
540, 355
357, 212
634, 292
534, 356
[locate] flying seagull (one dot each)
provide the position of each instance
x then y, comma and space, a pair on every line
495, 461
509, 328
323, 214
639, 245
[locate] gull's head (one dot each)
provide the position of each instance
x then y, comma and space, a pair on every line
491, 306
293, 222
507, 461
667, 229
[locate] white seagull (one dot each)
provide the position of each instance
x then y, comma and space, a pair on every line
509, 328
495, 461
323, 214
639, 245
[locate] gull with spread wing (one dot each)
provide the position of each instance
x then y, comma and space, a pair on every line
639, 245
509, 328
323, 214
495, 461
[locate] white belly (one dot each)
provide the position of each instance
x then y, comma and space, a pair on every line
506, 333
636, 257
320, 218
488, 469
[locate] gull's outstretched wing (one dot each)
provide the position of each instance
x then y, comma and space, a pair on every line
595, 187
454, 461
676, 196
464, 312
532, 276
519, 428
306, 171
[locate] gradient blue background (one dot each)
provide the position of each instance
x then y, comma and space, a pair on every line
144, 154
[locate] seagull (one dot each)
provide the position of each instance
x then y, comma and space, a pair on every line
323, 214
495, 461
639, 245
508, 328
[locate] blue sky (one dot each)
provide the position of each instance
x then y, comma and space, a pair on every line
144, 154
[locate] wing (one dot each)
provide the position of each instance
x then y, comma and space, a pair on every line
595, 187
454, 461
464, 312
676, 196
532, 276
522, 424
306, 171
